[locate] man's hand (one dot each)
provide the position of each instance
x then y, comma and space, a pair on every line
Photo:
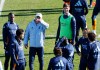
26, 45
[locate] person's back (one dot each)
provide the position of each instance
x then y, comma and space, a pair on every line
67, 49
58, 62
94, 53
94, 56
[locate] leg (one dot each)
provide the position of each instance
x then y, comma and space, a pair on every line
83, 22
91, 3
77, 30
83, 64
21, 66
11, 65
32, 53
40, 54
7, 58
95, 13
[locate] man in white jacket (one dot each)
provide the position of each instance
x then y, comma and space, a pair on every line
35, 32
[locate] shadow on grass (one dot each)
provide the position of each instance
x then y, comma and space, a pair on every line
45, 38
2, 55
29, 12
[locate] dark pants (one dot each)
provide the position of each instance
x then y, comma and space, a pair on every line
91, 2
96, 10
83, 63
21, 65
80, 23
32, 52
7, 59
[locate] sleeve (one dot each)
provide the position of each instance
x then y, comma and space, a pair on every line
58, 30
46, 25
26, 35
77, 46
5, 35
73, 23
13, 53
50, 65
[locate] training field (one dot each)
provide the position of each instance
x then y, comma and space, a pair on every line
25, 11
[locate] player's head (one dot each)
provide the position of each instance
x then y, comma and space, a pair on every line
85, 32
57, 51
20, 33
91, 36
11, 17
66, 8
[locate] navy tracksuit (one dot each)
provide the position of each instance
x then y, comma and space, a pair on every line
9, 32
17, 54
68, 53
77, 9
58, 63
94, 56
84, 42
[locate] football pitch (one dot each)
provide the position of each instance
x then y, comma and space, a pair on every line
25, 11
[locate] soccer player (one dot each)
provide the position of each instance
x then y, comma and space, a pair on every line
58, 62
67, 25
35, 31
84, 42
9, 32
96, 10
79, 9
94, 52
68, 51
17, 52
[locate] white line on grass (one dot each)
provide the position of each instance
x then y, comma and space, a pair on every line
1, 5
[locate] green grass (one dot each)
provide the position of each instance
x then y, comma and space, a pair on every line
25, 11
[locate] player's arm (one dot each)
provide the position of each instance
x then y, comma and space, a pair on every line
14, 54
77, 46
5, 35
58, 31
73, 25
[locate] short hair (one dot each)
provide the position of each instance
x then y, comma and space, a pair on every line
19, 32
66, 5
57, 51
91, 36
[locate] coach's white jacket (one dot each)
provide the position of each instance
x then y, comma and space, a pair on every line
35, 33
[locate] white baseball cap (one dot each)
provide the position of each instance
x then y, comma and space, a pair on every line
38, 14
